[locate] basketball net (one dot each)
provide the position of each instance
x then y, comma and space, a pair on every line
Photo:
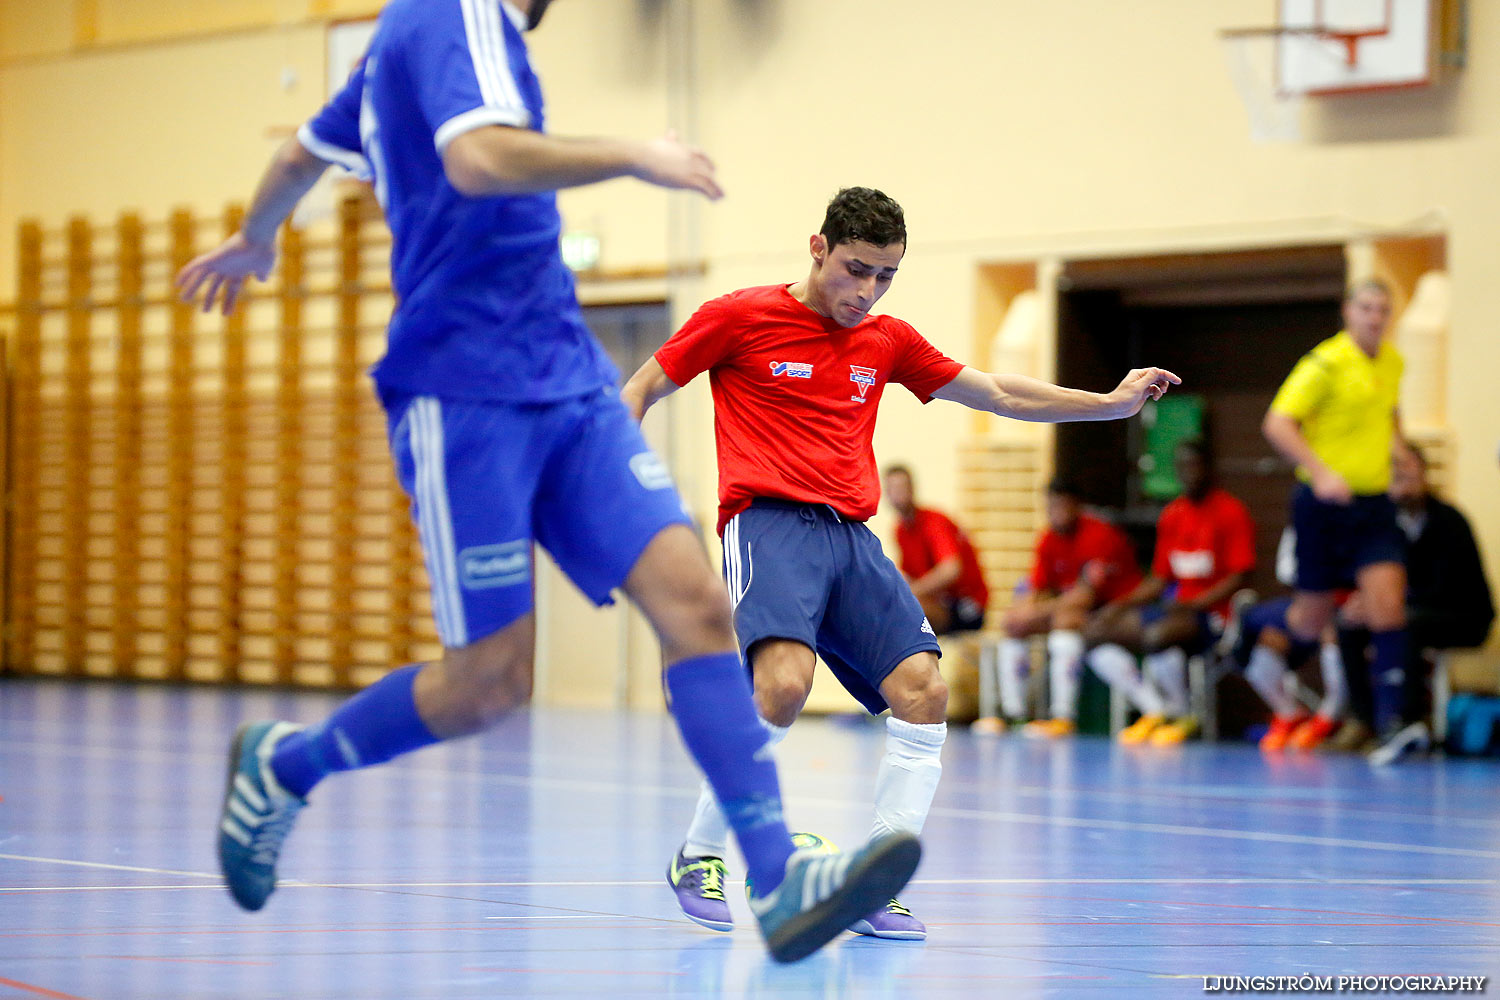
1275, 116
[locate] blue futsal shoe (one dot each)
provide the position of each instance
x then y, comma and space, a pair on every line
258, 814
825, 892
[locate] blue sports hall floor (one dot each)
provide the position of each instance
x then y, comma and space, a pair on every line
528, 862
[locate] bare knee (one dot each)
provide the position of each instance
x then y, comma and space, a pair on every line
470, 689
917, 692
779, 698
1097, 632
1017, 623
685, 601
707, 618
1275, 640
783, 672
1070, 618
1385, 612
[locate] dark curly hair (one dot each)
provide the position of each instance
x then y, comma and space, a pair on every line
864, 215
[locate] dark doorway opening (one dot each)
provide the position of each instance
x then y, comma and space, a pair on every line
1232, 325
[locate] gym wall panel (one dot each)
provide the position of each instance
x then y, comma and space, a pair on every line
1011, 131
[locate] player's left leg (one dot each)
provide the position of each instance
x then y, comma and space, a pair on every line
1383, 588
1065, 647
1113, 636
876, 640
1171, 636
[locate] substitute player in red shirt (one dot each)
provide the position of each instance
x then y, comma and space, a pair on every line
1205, 550
1082, 564
797, 373
938, 560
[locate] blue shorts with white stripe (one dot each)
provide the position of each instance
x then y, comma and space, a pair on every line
488, 478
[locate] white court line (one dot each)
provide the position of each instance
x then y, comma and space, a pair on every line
114, 868
654, 884
1260, 836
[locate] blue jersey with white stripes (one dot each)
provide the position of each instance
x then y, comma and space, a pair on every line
486, 309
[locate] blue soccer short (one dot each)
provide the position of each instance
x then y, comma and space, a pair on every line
1270, 614
1335, 542
487, 479
802, 572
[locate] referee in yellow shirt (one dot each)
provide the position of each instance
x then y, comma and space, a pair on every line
1336, 417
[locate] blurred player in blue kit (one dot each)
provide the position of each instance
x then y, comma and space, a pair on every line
506, 430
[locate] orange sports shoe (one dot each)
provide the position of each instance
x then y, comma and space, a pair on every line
1140, 730
1312, 733
1049, 729
1282, 727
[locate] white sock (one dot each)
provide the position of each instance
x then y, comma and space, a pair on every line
1266, 673
1064, 665
1116, 667
908, 776
1335, 684
708, 834
1015, 665
1168, 670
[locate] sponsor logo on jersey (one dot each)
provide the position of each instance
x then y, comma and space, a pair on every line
927, 627
1192, 565
862, 377
481, 567
651, 471
791, 369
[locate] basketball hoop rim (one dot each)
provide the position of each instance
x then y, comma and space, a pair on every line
1348, 39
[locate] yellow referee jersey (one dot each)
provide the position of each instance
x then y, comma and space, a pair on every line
1346, 401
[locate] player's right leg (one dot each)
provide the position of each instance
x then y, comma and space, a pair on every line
1028, 616
1265, 645
782, 672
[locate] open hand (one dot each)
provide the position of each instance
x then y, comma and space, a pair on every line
224, 271
671, 163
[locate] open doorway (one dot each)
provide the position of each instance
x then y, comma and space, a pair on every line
1232, 325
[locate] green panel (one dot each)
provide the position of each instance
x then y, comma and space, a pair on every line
1167, 423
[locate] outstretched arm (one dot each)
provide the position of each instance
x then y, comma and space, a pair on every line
291, 174
499, 159
646, 387
1023, 398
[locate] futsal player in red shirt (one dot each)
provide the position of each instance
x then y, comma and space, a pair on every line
938, 560
1205, 550
797, 372
1082, 564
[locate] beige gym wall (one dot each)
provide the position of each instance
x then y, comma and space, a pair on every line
1010, 130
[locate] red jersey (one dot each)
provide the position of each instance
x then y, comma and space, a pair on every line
1098, 551
932, 537
795, 395
1199, 544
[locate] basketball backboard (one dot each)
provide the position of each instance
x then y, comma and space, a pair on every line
1349, 46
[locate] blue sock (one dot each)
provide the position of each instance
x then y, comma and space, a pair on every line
375, 725
711, 700
1388, 678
